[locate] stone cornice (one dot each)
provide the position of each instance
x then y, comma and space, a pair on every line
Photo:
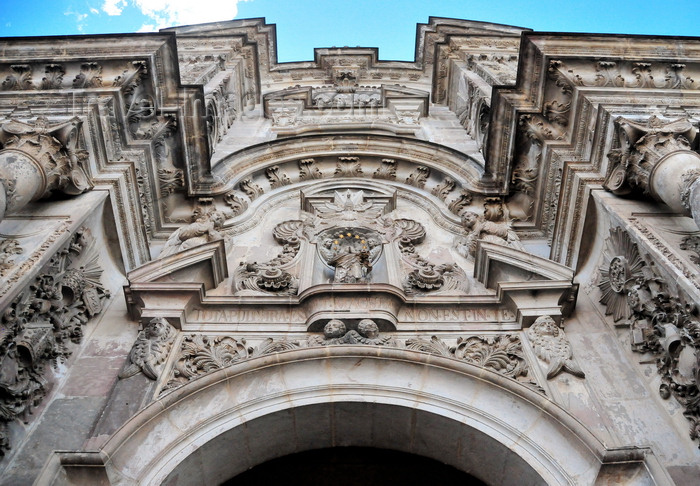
553, 128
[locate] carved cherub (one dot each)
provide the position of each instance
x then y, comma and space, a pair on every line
150, 349
335, 332
552, 347
368, 333
479, 228
203, 230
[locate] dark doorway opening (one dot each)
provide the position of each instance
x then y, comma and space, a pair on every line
353, 466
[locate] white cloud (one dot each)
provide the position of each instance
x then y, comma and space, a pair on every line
147, 28
94, 11
113, 7
79, 18
168, 13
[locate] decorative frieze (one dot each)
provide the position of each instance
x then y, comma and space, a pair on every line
661, 321
40, 324
9, 248
201, 354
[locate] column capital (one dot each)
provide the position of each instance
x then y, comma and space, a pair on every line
38, 158
643, 146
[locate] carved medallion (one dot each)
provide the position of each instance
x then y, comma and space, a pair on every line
621, 266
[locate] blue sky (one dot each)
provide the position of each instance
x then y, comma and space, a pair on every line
389, 25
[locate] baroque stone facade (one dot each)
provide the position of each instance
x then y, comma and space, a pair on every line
487, 256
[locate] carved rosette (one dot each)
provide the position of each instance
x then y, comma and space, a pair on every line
621, 268
40, 324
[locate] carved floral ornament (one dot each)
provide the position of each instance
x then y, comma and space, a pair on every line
662, 322
41, 323
348, 235
199, 354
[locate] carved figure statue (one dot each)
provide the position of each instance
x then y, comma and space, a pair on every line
552, 347
203, 230
150, 349
351, 253
479, 228
351, 263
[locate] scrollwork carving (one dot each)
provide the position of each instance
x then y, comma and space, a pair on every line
457, 205
348, 167
20, 79
308, 170
386, 170
271, 277
251, 189
418, 177
237, 204
442, 190
90, 76
276, 179
200, 355
54, 77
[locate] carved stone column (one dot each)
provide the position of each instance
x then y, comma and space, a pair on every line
657, 158
38, 159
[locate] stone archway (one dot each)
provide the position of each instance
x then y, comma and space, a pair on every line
353, 466
477, 421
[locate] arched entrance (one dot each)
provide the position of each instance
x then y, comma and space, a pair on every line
475, 420
353, 466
